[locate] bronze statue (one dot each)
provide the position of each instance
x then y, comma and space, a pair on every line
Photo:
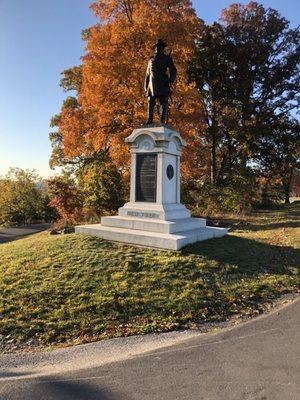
160, 75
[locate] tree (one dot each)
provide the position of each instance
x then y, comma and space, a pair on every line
109, 100
22, 198
267, 70
278, 155
247, 74
210, 71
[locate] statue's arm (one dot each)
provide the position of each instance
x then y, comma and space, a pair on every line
172, 70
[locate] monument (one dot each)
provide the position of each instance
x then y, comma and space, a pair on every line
154, 216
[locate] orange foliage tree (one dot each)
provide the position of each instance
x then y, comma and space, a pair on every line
110, 99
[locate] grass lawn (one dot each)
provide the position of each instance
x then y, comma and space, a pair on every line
75, 289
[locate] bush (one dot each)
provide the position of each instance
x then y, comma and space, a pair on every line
97, 190
102, 187
237, 197
271, 193
66, 198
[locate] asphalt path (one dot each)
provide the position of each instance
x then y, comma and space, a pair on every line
257, 360
9, 234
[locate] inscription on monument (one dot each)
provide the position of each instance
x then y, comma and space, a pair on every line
142, 214
146, 177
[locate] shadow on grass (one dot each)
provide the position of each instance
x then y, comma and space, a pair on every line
292, 210
247, 257
271, 226
286, 216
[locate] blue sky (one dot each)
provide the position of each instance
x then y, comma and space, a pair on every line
38, 40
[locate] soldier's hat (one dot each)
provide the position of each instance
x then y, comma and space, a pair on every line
160, 43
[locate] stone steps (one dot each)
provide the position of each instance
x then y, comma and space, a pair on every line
154, 225
151, 239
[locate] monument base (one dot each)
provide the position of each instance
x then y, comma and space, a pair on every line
157, 233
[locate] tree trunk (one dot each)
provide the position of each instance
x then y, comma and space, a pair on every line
213, 160
287, 197
287, 186
213, 156
244, 160
229, 146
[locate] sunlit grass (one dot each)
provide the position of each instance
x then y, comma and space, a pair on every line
74, 288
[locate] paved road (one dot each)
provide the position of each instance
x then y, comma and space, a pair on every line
259, 360
9, 234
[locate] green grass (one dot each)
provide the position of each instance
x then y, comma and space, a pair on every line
74, 289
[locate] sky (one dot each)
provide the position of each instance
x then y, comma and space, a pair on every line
38, 40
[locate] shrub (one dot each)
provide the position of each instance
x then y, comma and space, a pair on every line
102, 187
66, 199
237, 196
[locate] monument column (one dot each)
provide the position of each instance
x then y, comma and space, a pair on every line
155, 181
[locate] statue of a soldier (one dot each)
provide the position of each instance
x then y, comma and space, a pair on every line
160, 75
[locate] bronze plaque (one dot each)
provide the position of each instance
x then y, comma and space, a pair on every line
146, 177
170, 171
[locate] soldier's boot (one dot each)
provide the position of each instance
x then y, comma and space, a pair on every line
164, 111
151, 105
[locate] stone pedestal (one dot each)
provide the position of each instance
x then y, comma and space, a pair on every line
154, 216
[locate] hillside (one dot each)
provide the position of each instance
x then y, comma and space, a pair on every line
72, 289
